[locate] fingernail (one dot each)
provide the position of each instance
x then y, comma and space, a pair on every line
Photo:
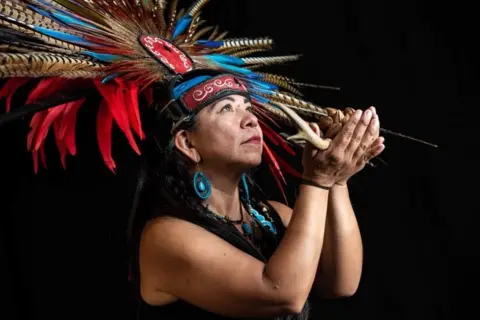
367, 116
358, 114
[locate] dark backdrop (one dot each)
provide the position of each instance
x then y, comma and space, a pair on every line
62, 251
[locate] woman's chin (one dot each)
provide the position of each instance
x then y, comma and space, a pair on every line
253, 161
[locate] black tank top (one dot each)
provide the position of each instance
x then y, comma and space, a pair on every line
263, 251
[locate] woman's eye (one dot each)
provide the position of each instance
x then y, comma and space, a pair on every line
250, 109
226, 108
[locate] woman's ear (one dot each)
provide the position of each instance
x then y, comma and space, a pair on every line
184, 144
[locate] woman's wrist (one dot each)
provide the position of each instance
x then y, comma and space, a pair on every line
323, 182
340, 184
313, 183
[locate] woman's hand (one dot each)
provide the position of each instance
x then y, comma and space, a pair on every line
351, 148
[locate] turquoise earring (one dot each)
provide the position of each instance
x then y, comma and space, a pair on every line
202, 185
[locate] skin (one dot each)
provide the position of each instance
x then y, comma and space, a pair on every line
341, 261
217, 277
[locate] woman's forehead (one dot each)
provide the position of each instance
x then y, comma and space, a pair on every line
236, 98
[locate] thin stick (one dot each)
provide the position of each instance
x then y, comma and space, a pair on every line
381, 160
309, 85
408, 137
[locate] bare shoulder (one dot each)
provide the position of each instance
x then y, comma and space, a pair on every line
160, 243
181, 260
284, 211
167, 238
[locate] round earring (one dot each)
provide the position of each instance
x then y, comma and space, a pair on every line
202, 185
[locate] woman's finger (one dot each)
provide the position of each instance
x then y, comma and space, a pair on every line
333, 130
376, 143
342, 140
363, 135
373, 153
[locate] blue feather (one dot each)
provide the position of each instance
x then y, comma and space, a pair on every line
210, 44
187, 85
101, 56
182, 25
62, 36
260, 98
255, 75
67, 19
264, 85
234, 69
222, 58
109, 78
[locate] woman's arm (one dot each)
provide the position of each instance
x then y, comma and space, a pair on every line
188, 262
340, 266
341, 263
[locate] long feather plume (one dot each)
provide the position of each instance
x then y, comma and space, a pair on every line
71, 50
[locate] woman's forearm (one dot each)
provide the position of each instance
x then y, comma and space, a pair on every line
342, 255
293, 266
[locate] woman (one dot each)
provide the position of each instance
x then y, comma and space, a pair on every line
202, 245
204, 239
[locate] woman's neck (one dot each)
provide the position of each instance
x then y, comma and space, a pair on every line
225, 196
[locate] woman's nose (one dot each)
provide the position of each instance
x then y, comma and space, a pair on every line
249, 120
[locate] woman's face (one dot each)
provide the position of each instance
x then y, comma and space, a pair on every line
227, 135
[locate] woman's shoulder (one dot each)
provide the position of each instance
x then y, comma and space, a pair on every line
163, 229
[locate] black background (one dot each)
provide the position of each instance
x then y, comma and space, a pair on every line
62, 251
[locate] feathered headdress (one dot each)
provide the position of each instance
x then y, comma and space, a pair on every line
121, 50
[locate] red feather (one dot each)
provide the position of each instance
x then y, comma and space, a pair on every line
43, 89
68, 125
52, 115
43, 156
35, 154
104, 135
36, 121
9, 89
275, 169
276, 138
149, 95
64, 130
62, 148
131, 92
115, 101
39, 129
35, 161
285, 165
264, 114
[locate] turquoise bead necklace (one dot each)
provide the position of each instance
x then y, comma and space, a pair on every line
246, 228
257, 218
